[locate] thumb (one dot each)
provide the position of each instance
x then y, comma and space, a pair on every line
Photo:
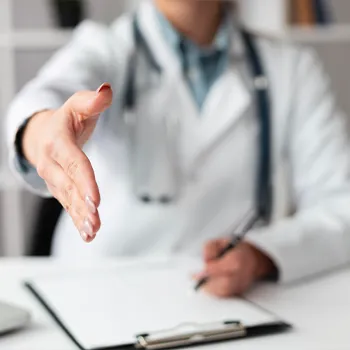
87, 104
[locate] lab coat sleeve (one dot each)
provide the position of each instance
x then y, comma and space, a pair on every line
80, 65
317, 237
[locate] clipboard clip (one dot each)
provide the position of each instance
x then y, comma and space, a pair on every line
190, 334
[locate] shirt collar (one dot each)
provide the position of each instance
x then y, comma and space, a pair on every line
221, 42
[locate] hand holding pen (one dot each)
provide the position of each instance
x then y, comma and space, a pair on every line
231, 265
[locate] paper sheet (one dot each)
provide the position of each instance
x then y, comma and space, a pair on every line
111, 308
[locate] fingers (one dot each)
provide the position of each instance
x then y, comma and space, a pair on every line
64, 189
224, 286
230, 263
232, 274
78, 168
60, 161
213, 248
87, 104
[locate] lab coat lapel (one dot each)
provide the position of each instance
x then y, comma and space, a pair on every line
180, 100
152, 31
227, 101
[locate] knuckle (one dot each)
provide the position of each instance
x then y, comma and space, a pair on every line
72, 168
68, 192
77, 164
79, 212
67, 207
49, 147
56, 146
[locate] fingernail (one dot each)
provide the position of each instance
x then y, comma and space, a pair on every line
87, 228
103, 87
84, 235
90, 204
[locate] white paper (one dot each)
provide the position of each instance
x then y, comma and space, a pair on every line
111, 308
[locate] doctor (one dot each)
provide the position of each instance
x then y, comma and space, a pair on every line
198, 124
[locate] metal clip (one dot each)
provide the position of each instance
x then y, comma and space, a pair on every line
173, 338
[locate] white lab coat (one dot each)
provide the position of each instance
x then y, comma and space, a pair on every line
310, 232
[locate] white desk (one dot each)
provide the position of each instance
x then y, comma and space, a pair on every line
319, 310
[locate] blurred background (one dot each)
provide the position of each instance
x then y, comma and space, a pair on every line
31, 30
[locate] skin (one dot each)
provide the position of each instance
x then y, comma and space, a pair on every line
183, 13
53, 141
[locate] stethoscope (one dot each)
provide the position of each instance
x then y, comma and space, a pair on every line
260, 82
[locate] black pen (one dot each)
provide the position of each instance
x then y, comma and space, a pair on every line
237, 238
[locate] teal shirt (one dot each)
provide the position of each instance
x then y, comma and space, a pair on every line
201, 66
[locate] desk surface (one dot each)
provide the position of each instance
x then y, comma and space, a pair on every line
319, 310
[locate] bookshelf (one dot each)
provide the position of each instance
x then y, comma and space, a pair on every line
334, 33
271, 18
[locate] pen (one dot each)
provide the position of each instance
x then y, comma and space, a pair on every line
237, 238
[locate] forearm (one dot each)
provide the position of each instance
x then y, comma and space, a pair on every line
311, 242
264, 267
21, 160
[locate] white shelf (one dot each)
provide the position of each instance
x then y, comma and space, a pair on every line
35, 39
4, 41
55, 38
333, 33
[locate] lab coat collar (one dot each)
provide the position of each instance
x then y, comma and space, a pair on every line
152, 29
165, 55
221, 42
226, 102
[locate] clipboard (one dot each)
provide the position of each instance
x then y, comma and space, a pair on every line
189, 335
193, 331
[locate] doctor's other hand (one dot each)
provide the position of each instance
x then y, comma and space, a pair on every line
236, 271
52, 142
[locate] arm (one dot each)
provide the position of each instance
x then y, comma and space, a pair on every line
61, 108
80, 66
317, 237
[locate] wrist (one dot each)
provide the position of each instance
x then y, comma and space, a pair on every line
264, 266
30, 134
